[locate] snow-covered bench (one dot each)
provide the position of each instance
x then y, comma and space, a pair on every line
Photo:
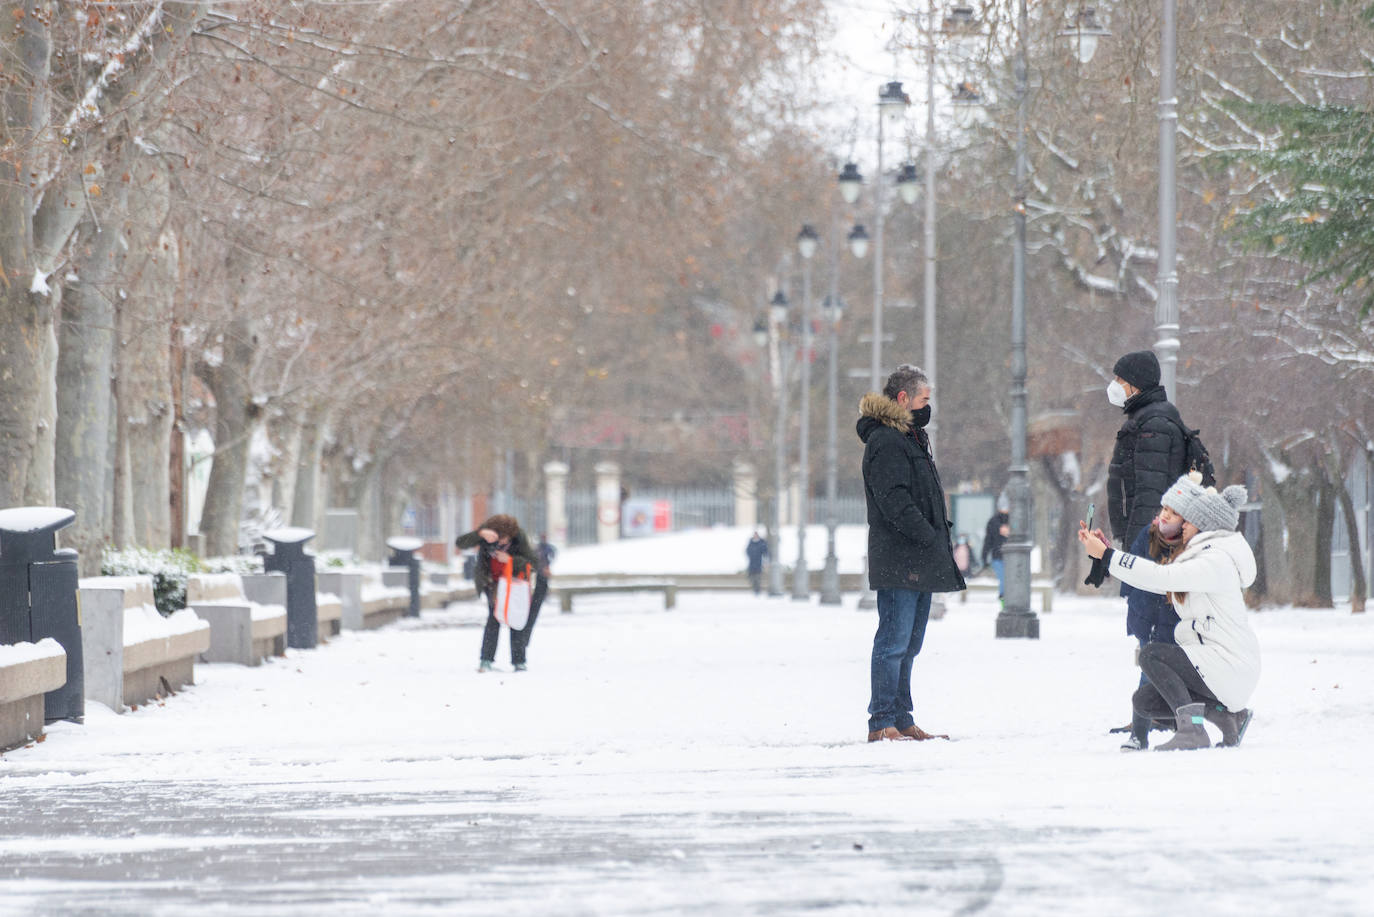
381, 603
27, 672
1044, 588
270, 589
241, 631
347, 587
131, 653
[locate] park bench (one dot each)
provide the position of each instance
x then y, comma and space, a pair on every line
241, 631
1045, 588
567, 590
27, 672
270, 589
133, 654
381, 604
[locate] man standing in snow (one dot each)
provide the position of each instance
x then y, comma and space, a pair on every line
909, 551
1151, 450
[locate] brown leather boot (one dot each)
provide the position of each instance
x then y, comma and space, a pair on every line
920, 735
889, 734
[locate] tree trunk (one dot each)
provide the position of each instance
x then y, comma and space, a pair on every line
235, 422
1274, 555
25, 316
39, 485
85, 367
1326, 525
306, 510
1298, 495
1358, 585
145, 355
371, 522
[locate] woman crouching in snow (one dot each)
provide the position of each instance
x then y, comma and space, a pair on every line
1213, 670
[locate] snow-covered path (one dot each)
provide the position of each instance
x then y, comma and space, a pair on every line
706, 760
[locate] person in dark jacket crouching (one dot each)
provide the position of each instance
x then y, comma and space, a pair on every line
910, 555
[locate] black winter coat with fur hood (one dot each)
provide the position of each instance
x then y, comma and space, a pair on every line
909, 545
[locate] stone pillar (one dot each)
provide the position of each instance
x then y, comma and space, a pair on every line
607, 502
556, 502
746, 495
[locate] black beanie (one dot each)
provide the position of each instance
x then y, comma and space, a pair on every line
1140, 368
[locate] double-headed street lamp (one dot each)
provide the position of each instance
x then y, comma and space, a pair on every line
1016, 618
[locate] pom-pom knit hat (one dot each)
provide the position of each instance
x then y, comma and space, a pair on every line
1206, 509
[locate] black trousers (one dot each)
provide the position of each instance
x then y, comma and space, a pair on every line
519, 639
1173, 682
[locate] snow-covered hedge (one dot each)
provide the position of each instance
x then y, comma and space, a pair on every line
236, 563
168, 569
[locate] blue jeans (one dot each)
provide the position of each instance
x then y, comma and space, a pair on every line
902, 618
1000, 569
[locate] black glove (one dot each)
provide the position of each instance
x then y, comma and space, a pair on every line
1097, 574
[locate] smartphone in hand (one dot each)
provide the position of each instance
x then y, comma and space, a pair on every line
1091, 508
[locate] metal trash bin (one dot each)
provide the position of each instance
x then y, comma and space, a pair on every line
38, 597
288, 556
404, 553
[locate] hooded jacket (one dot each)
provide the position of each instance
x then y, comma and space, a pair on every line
1214, 625
908, 531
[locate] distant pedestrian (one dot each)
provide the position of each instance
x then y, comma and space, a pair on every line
994, 537
498, 540
963, 556
757, 552
1210, 675
546, 552
910, 556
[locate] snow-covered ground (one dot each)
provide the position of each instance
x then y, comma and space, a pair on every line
707, 760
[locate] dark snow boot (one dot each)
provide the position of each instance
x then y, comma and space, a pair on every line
1191, 733
1232, 725
1139, 739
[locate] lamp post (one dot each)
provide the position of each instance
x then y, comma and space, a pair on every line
778, 320
1166, 308
807, 240
831, 313
1016, 618
892, 102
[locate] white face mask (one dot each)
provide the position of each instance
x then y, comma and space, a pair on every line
1116, 394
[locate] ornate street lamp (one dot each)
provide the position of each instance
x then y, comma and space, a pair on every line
1084, 33
909, 183
967, 102
1016, 618
851, 183
858, 240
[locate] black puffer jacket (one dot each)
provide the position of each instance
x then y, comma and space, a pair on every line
1151, 453
908, 530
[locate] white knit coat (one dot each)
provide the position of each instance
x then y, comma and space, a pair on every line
1214, 626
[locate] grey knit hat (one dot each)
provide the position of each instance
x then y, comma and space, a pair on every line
1206, 509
